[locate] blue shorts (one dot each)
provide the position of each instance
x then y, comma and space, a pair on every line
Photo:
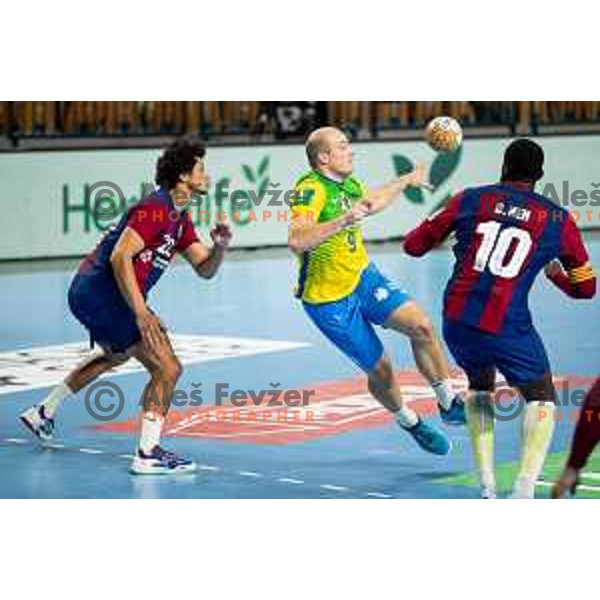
107, 317
520, 356
348, 322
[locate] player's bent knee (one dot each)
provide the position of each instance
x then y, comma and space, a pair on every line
172, 369
423, 331
538, 391
483, 381
383, 372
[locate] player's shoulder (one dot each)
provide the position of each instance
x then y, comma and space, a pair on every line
549, 205
152, 204
153, 200
480, 190
355, 186
464, 196
310, 179
308, 188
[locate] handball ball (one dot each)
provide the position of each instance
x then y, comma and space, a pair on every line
444, 134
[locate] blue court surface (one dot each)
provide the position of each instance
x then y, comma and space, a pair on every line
244, 329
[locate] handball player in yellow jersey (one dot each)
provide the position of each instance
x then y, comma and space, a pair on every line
344, 293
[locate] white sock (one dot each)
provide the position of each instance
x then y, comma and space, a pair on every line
150, 435
444, 393
56, 396
406, 417
480, 424
538, 426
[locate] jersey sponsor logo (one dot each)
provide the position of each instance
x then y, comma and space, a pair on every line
344, 202
41, 367
145, 256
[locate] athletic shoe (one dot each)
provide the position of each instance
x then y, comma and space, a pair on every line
488, 492
159, 461
430, 438
36, 420
455, 415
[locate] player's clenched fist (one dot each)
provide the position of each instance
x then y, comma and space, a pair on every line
553, 269
358, 212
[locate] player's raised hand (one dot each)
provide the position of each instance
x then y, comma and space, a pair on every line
416, 178
221, 235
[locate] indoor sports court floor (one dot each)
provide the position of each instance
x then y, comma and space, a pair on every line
245, 330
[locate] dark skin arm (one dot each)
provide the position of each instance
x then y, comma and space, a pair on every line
206, 261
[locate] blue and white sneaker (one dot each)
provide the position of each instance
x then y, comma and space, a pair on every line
455, 415
38, 422
488, 492
430, 438
160, 462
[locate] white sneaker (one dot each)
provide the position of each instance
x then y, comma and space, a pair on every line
160, 462
523, 491
36, 420
488, 492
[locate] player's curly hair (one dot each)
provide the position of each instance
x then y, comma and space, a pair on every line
178, 159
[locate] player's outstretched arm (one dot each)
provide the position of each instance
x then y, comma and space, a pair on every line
381, 198
206, 261
304, 234
433, 230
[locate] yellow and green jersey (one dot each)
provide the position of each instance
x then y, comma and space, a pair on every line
332, 270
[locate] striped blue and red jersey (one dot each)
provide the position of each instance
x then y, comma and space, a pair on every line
164, 230
505, 234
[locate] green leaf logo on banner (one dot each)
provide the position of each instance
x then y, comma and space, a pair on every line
263, 166
443, 166
259, 176
248, 173
403, 166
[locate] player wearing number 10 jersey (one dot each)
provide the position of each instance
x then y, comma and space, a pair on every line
505, 235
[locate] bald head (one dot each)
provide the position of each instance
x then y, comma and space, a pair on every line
328, 148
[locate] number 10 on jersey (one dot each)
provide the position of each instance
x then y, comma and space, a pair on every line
495, 246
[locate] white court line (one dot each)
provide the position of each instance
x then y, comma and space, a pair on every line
378, 495
290, 480
253, 474
249, 474
588, 488
591, 475
333, 488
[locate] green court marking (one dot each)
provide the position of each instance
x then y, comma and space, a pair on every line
506, 473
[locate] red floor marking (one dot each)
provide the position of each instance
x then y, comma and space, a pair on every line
337, 407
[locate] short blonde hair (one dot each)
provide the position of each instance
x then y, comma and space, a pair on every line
318, 142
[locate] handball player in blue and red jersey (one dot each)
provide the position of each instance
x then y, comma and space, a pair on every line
505, 235
109, 296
